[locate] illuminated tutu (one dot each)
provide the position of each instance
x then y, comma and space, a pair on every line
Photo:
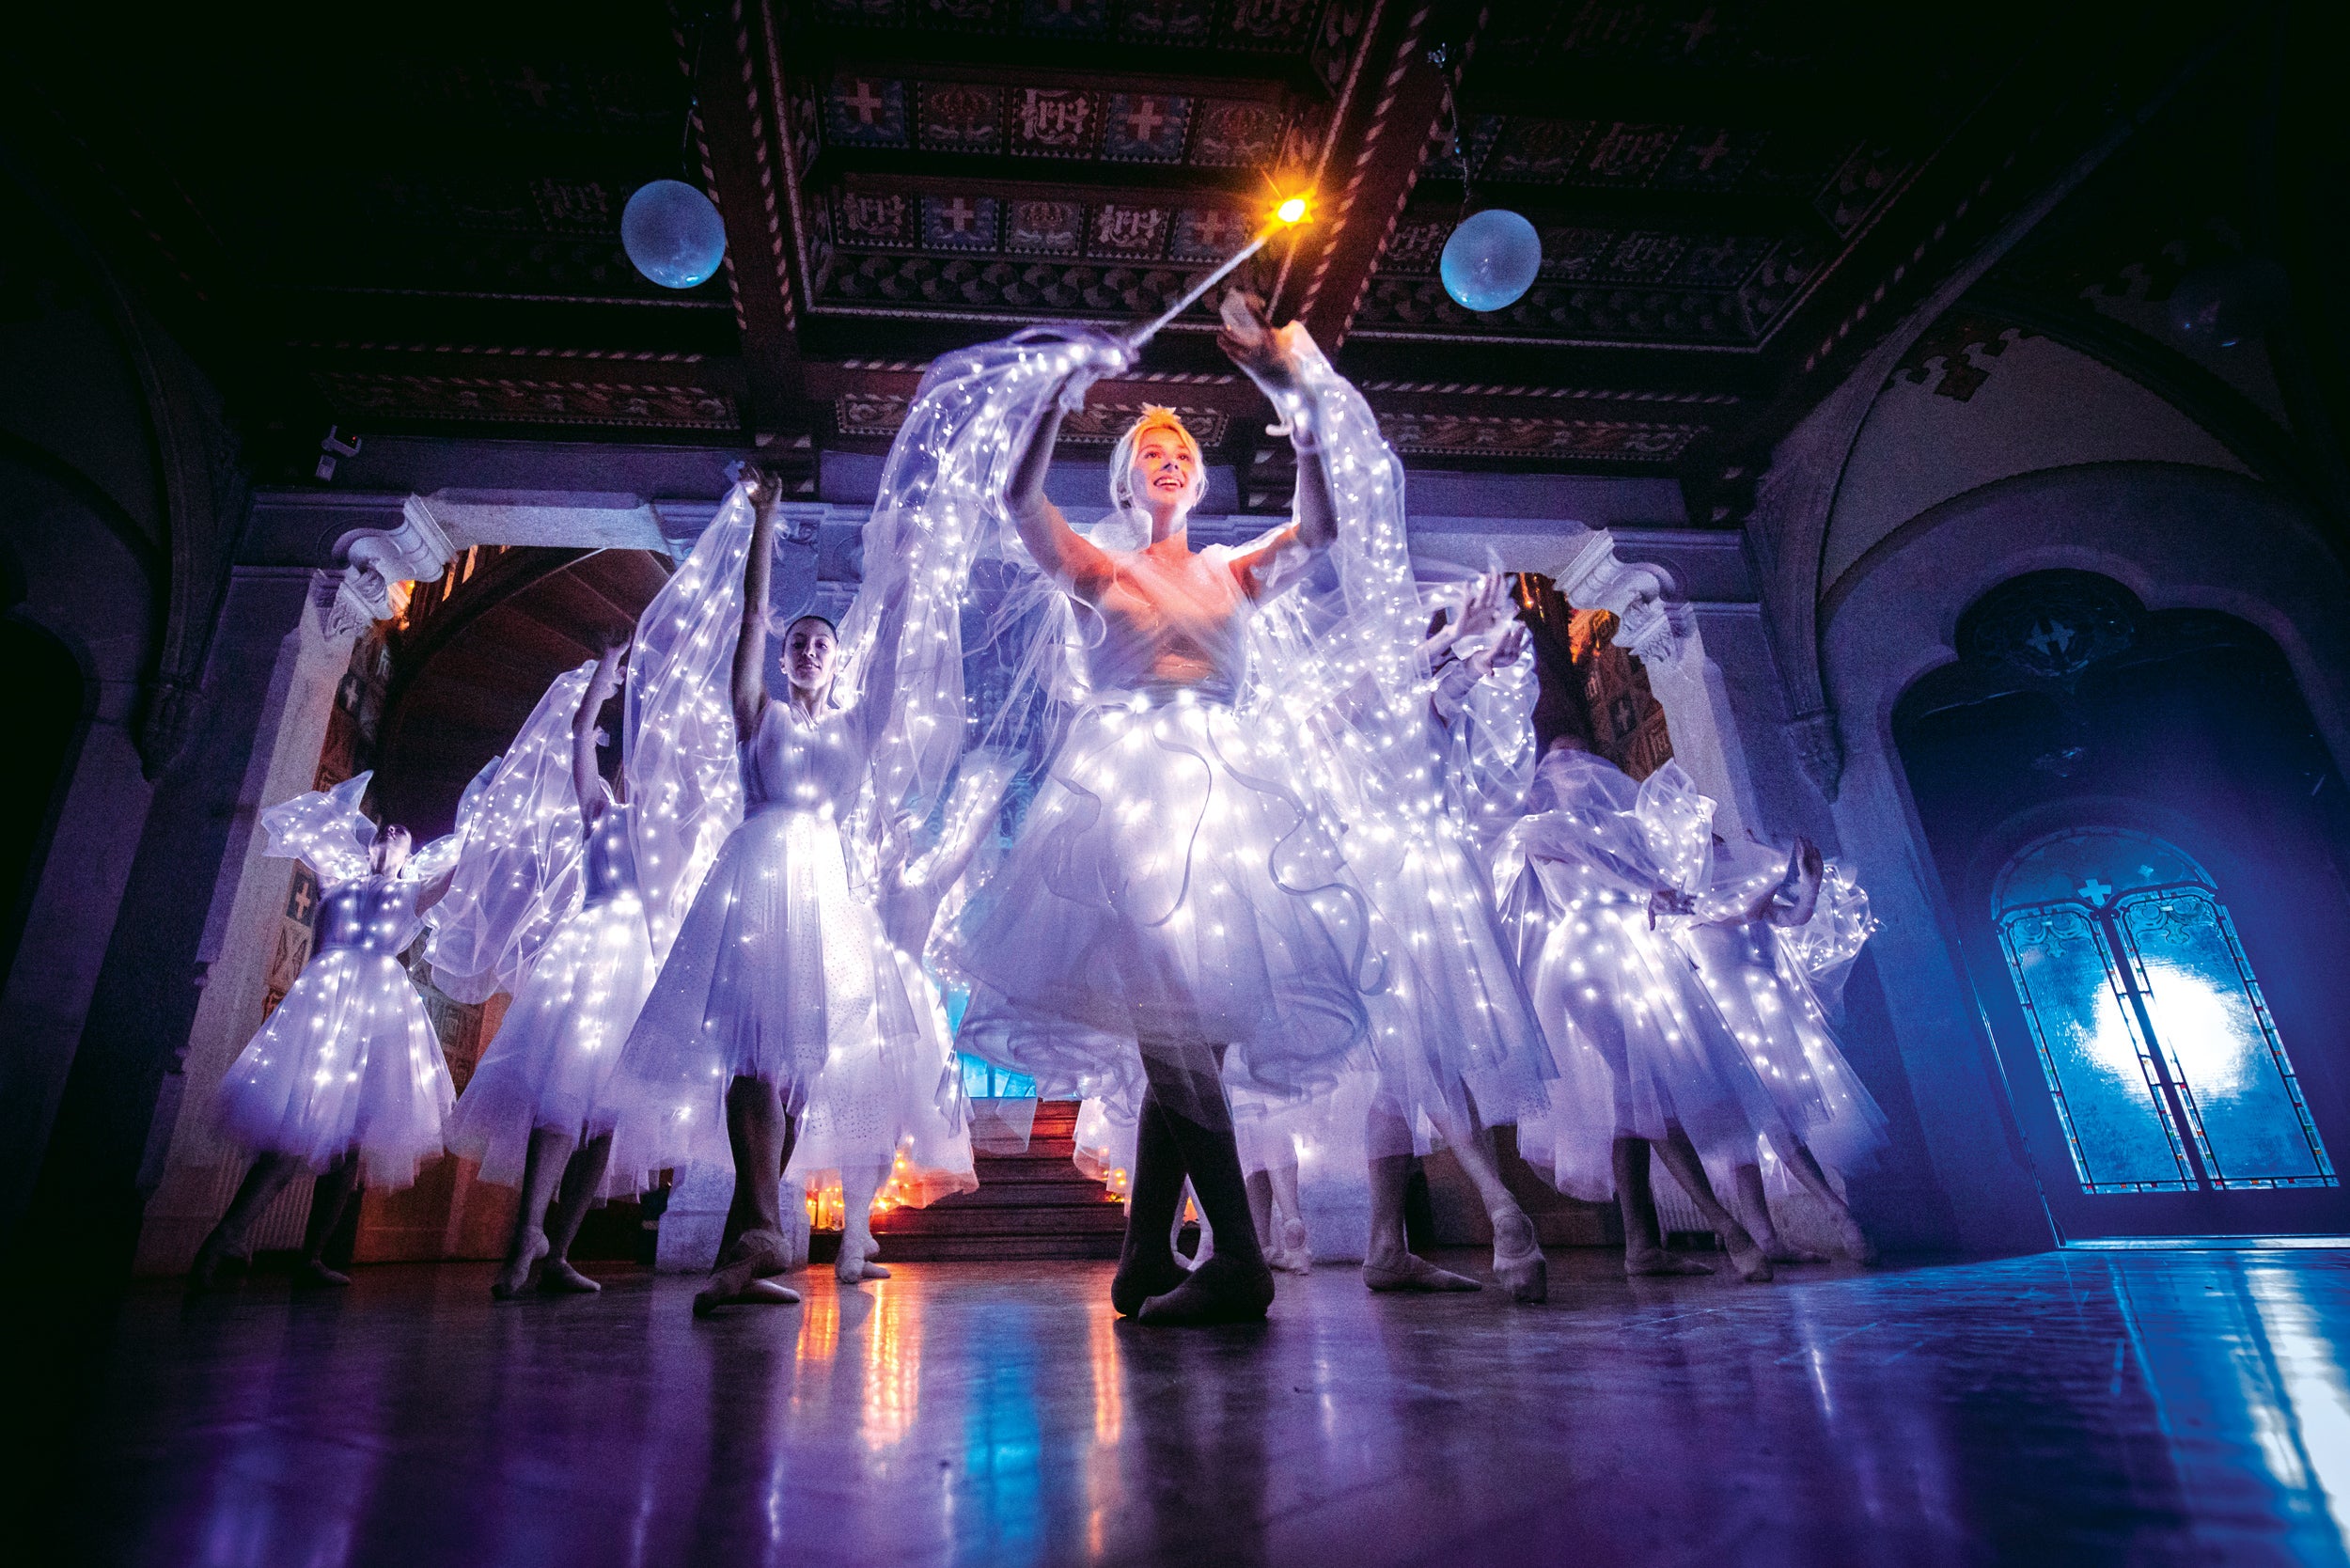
779, 961
1169, 885
890, 1099
561, 1038
1766, 981
349, 1061
1640, 1046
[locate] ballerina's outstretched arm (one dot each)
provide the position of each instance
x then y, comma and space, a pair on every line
1268, 358
750, 649
586, 779
1064, 554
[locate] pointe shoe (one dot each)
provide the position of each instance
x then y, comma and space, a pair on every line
1749, 1260
211, 1259
1521, 1266
855, 1264
1653, 1262
1855, 1241
1222, 1290
314, 1274
557, 1276
513, 1276
1295, 1257
757, 1256
1416, 1274
1141, 1276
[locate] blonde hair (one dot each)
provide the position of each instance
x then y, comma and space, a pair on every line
1154, 417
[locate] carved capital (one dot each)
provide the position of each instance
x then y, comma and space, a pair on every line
1818, 748
375, 558
1652, 620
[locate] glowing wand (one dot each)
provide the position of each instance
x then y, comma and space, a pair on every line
1288, 215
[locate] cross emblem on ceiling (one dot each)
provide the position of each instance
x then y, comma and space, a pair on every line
538, 90
959, 214
1717, 148
1143, 118
865, 102
2095, 892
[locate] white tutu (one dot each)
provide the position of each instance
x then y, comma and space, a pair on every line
1167, 886
1768, 1003
560, 1039
891, 1099
1621, 1002
349, 1061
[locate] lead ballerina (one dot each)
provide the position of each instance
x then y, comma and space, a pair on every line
1170, 895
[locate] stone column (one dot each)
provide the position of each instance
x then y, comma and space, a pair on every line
190, 1172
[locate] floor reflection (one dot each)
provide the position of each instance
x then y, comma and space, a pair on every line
2082, 1408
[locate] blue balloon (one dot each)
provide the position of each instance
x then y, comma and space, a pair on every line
673, 234
1491, 260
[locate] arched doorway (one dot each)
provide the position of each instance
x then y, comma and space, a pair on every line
2143, 840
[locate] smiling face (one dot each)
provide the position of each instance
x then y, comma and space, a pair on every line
1158, 467
810, 653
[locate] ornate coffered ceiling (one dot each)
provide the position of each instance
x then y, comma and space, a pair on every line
409, 220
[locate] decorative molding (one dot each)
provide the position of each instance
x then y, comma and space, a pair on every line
1652, 618
1818, 748
1495, 435
534, 403
375, 558
1099, 424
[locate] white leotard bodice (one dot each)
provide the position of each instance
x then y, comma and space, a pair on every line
799, 763
1171, 622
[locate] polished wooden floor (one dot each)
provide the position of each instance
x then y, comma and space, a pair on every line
2072, 1408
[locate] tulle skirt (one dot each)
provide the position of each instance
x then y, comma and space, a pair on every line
560, 1039
1639, 1049
348, 1062
776, 959
1771, 1010
1452, 1029
890, 1099
1169, 889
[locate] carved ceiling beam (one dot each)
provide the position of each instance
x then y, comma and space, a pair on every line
1033, 179
740, 135
1389, 108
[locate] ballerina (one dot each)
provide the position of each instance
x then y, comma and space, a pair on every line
1170, 902
779, 961
346, 1078
1764, 937
1646, 1064
524, 1114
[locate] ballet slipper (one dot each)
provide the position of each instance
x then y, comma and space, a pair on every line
1651, 1262
1142, 1275
513, 1276
315, 1274
757, 1255
559, 1278
1780, 1251
1222, 1290
204, 1275
1300, 1258
1417, 1275
1855, 1241
1521, 1267
1747, 1259
854, 1264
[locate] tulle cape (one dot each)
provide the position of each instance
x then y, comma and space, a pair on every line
519, 876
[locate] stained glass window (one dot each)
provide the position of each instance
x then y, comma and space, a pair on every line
2166, 1069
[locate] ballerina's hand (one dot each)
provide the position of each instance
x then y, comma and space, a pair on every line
1250, 341
1487, 607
